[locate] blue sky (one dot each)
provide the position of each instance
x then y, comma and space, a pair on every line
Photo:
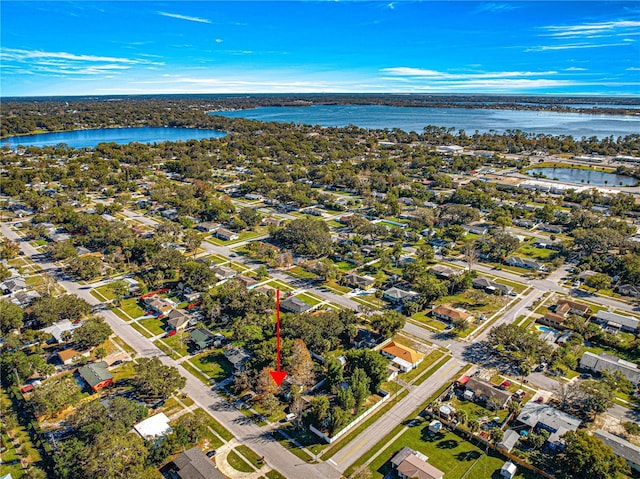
121, 47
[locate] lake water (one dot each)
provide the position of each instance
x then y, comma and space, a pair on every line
90, 138
468, 119
584, 177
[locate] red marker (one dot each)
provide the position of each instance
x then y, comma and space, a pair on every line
278, 376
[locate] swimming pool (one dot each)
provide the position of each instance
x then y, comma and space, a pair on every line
546, 329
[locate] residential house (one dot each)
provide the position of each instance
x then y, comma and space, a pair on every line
542, 416
237, 357
14, 285
622, 448
398, 296
207, 226
629, 290
445, 272
572, 307
555, 229
356, 281
58, 329
450, 149
153, 427
487, 393
366, 339
615, 321
368, 250
96, 375
552, 319
610, 363
225, 234
224, 272
134, 285
476, 229
294, 305
525, 263
194, 464
201, 338
410, 464
169, 213
67, 356
159, 305
246, 281
271, 221
177, 320
24, 298
435, 426
404, 357
524, 223
491, 287
449, 314
509, 440
254, 197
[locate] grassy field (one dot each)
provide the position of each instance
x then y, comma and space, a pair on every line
213, 364
542, 254
274, 475
426, 363
309, 299
423, 318
448, 452
196, 372
141, 330
238, 463
130, 306
155, 325
215, 425
298, 272
251, 456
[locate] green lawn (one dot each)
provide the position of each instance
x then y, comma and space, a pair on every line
213, 364
448, 452
251, 456
336, 288
423, 318
124, 371
238, 463
155, 325
475, 411
274, 475
131, 307
426, 363
141, 330
304, 437
344, 266
177, 344
532, 252
105, 291
34, 281
196, 372
298, 272
281, 285
215, 425
308, 298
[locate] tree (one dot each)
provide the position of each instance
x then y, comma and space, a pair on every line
474, 426
301, 369
11, 316
459, 325
9, 249
126, 412
587, 456
333, 373
129, 449
155, 380
265, 384
359, 387
306, 237
196, 276
598, 281
85, 267
388, 323
320, 409
120, 289
92, 333
339, 419
462, 416
55, 395
372, 362
496, 434
250, 217
345, 399
596, 396
470, 253
192, 241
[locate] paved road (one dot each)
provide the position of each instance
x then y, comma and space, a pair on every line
398, 413
244, 429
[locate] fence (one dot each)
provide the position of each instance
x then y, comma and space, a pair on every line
385, 395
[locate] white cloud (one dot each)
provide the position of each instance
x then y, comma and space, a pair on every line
437, 75
22, 55
184, 17
572, 31
575, 69
219, 40
633, 69
574, 46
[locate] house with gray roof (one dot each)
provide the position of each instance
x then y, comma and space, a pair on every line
224, 272
485, 392
525, 263
622, 448
445, 272
362, 282
491, 287
608, 362
294, 305
237, 357
617, 321
397, 295
14, 285
542, 416
177, 320
194, 464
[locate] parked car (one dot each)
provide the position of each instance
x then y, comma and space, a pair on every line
211, 453
505, 385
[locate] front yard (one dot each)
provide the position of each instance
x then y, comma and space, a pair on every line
213, 364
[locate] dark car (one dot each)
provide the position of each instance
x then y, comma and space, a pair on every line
211, 453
